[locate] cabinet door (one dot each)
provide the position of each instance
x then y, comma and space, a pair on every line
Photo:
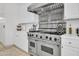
71, 42
70, 47
2, 32
69, 51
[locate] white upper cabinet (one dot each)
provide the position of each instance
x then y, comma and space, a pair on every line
2, 10
71, 10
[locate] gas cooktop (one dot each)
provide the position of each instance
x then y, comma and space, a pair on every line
55, 33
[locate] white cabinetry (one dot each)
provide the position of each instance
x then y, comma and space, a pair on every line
71, 10
2, 32
70, 46
21, 37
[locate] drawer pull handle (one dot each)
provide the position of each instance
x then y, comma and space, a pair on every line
36, 40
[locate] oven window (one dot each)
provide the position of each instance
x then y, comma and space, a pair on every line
32, 44
47, 49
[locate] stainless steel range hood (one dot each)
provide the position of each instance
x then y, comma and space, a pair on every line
34, 6
38, 8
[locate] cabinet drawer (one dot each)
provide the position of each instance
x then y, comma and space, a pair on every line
71, 42
69, 51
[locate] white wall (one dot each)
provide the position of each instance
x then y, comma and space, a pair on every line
15, 14
8, 11
74, 24
2, 22
2, 6
10, 15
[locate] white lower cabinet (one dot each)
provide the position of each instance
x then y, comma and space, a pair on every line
69, 51
70, 47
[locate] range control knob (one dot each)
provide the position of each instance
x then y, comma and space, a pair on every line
32, 35
55, 39
40, 37
36, 35
46, 37
28, 34
50, 38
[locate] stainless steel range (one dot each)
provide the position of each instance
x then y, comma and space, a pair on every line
32, 38
44, 44
46, 41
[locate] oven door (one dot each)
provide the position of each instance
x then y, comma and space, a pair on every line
32, 46
46, 49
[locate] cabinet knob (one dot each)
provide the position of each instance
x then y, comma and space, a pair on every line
70, 42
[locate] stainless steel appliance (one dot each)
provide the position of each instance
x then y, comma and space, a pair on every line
32, 44
44, 44
46, 40
49, 45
